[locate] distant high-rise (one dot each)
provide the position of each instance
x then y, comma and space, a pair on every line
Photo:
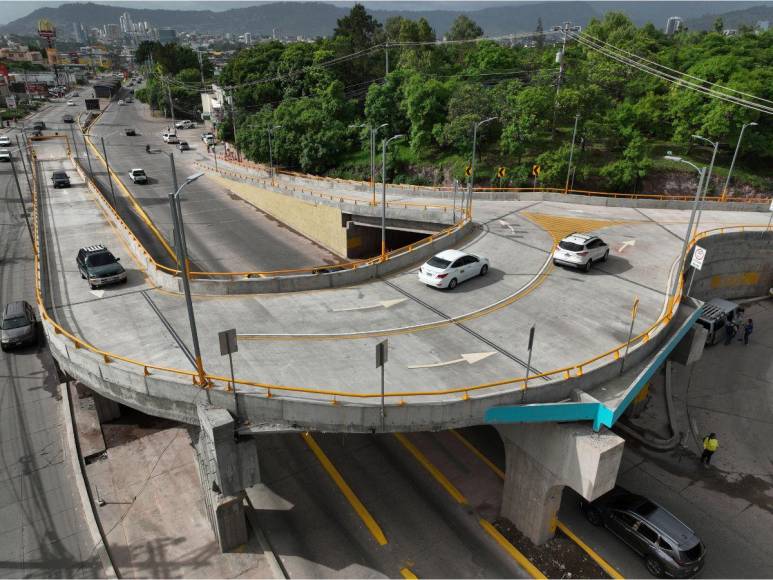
763, 25
673, 24
247, 38
167, 35
79, 33
112, 31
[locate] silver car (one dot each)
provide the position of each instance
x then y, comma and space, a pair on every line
18, 325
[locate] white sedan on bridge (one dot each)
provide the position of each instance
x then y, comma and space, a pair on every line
451, 267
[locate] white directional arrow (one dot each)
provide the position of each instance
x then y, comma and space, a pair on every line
97, 293
382, 304
470, 358
504, 223
625, 244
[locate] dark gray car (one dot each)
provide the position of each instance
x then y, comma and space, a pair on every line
18, 325
668, 546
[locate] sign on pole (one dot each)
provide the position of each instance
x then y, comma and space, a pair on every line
382, 353
535, 169
10, 102
228, 343
502, 172
698, 255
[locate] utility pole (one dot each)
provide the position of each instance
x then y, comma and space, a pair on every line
386, 57
23, 206
201, 68
109, 177
560, 57
475, 127
233, 121
571, 153
21, 156
735, 154
171, 104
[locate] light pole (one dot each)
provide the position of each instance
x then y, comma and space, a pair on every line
732, 164
571, 152
21, 201
109, 177
384, 145
271, 151
182, 260
702, 172
475, 127
715, 144
372, 131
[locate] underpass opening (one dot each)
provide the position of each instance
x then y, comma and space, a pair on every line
363, 239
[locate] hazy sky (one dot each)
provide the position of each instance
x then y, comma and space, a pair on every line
12, 9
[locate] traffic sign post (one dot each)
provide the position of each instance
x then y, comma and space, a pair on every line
382, 355
698, 256
535, 169
528, 363
634, 312
228, 346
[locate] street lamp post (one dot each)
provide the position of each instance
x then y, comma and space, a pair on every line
732, 164
182, 260
373, 131
21, 201
715, 144
384, 145
24, 166
688, 234
571, 152
109, 177
470, 184
271, 152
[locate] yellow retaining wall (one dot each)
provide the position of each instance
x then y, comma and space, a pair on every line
318, 222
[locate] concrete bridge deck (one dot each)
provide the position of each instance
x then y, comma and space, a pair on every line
308, 350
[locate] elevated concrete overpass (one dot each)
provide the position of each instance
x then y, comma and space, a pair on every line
305, 359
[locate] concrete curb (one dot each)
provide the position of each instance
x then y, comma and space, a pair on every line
80, 481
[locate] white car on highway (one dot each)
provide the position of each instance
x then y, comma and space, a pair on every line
138, 175
185, 124
70, 103
5, 155
170, 138
451, 267
580, 251
5, 141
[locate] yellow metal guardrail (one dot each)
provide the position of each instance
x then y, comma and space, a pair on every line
270, 390
407, 187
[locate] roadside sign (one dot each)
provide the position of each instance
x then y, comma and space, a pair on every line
698, 255
635, 307
228, 343
501, 172
468, 170
10, 102
535, 169
382, 353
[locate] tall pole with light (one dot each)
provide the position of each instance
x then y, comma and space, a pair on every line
384, 146
271, 151
571, 152
182, 260
715, 144
475, 127
372, 132
732, 164
688, 234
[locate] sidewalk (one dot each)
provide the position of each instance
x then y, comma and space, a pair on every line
154, 514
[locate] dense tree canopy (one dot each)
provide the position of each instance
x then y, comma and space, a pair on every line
434, 92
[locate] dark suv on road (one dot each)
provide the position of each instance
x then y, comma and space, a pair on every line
97, 265
60, 179
18, 326
668, 546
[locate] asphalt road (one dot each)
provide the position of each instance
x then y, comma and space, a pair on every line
42, 530
317, 533
223, 232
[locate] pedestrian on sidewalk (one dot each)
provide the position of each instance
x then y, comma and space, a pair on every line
710, 445
748, 328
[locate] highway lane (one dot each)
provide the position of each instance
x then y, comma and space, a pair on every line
223, 233
42, 529
316, 532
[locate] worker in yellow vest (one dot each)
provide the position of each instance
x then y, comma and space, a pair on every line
710, 445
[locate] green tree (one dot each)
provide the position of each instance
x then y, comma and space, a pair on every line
626, 173
464, 28
539, 37
425, 106
719, 25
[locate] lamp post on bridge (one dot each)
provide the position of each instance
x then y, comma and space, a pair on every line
384, 146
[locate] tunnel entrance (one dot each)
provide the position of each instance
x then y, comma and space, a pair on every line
363, 240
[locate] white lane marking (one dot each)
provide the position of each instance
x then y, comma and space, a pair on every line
382, 304
97, 293
625, 244
469, 358
504, 223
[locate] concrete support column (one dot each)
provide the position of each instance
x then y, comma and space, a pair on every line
107, 409
226, 468
543, 458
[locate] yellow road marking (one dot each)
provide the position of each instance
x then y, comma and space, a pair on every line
434, 471
355, 502
478, 453
514, 552
560, 226
407, 574
588, 550
606, 566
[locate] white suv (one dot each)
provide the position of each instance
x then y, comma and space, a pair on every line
171, 138
580, 251
138, 176
185, 125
